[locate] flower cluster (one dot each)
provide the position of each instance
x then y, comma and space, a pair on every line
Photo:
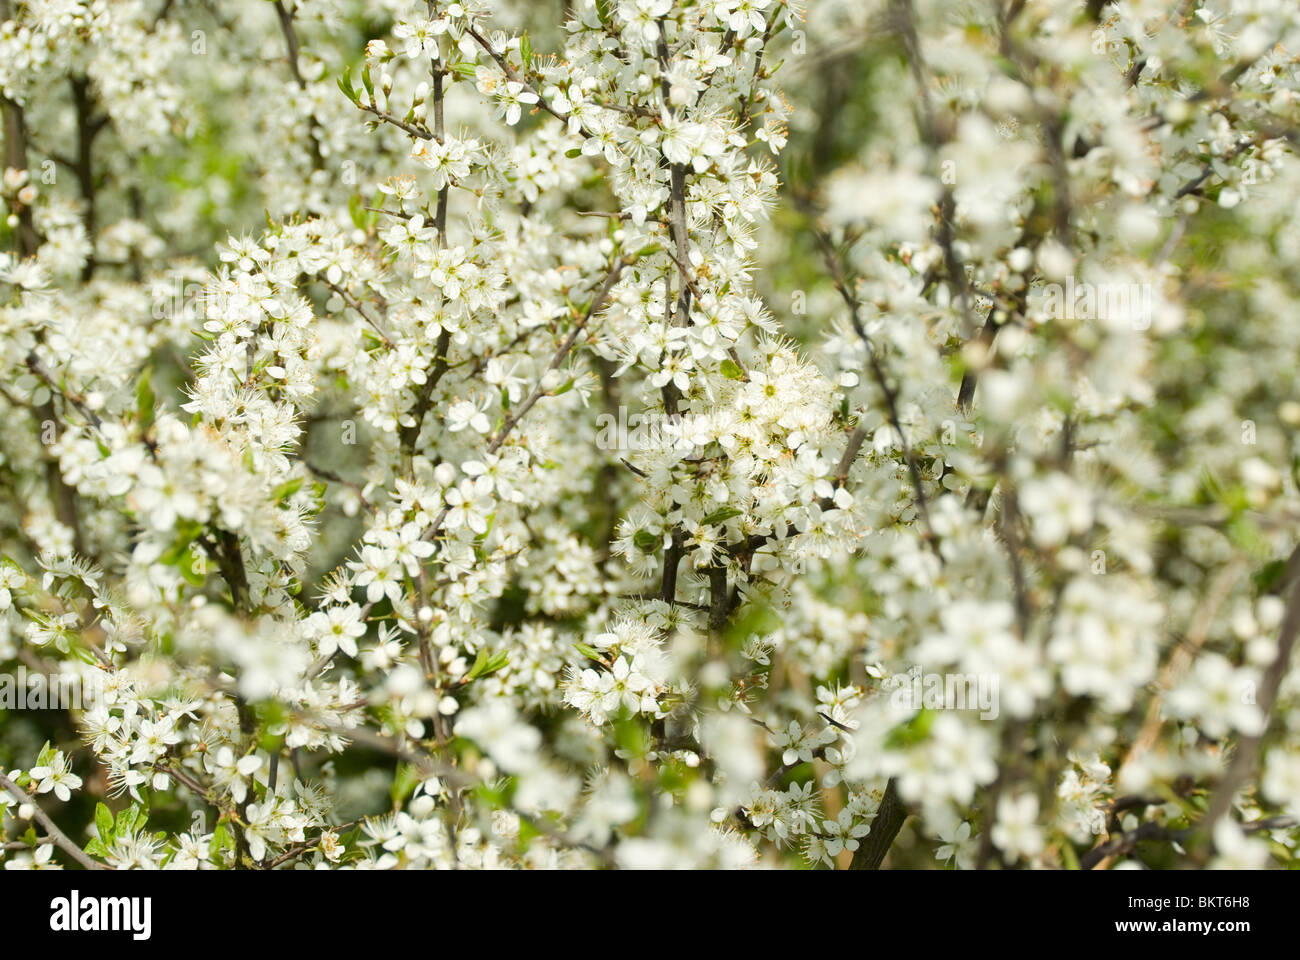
971, 348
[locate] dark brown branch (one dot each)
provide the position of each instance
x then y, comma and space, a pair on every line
1126, 842
875, 846
291, 43
89, 124
15, 130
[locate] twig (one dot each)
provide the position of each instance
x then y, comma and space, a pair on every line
57, 835
1245, 756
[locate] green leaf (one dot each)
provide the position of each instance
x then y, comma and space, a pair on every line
731, 370
496, 662
645, 541
129, 819
755, 619
145, 398
356, 211
191, 569
721, 516
1247, 535
186, 533
485, 664
286, 490
632, 737
345, 84
104, 822
912, 732
1268, 575
591, 653
479, 662
564, 387
525, 50
221, 840
405, 779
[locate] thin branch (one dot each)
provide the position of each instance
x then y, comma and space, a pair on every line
598, 301
57, 835
882, 382
1245, 756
